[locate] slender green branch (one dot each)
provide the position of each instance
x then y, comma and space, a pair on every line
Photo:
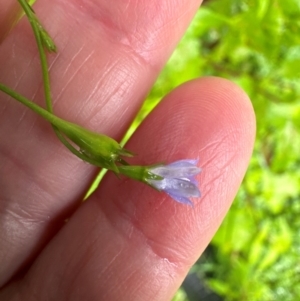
43, 39
36, 27
54, 120
28, 103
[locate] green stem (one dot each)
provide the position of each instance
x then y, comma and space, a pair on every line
36, 27
34, 107
36, 30
54, 120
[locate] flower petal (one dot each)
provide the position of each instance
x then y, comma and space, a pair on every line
174, 171
180, 199
182, 187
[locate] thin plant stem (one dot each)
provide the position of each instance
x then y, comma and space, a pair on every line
54, 120
46, 79
31, 17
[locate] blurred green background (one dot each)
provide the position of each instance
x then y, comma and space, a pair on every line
256, 44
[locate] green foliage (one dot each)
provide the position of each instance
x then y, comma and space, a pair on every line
255, 43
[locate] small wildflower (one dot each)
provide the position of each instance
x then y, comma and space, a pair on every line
178, 180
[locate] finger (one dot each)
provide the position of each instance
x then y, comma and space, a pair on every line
9, 13
109, 55
130, 242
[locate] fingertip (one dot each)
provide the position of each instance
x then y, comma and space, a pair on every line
211, 119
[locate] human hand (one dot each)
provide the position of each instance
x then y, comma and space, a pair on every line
127, 242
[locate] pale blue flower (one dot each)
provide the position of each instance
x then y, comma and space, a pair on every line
178, 180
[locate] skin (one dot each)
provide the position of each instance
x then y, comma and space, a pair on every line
128, 241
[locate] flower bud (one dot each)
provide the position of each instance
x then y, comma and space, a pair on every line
100, 148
